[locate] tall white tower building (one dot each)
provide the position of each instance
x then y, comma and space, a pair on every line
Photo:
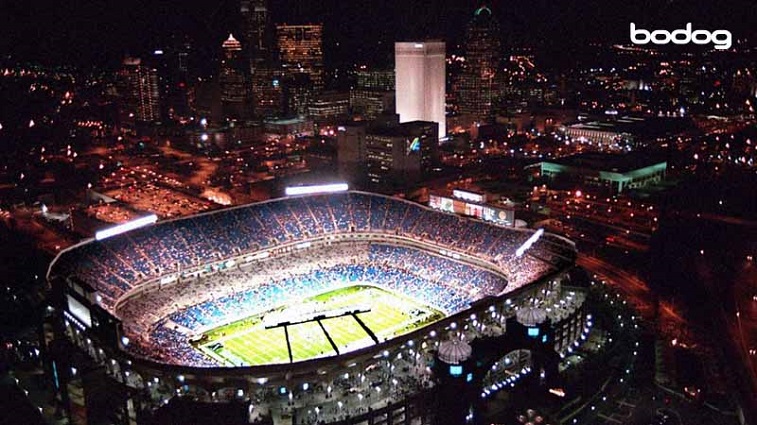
420, 82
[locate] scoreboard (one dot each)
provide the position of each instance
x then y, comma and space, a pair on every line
497, 215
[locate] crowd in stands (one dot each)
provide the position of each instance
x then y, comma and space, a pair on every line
116, 265
254, 288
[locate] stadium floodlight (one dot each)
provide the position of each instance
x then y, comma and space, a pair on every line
321, 188
527, 244
125, 227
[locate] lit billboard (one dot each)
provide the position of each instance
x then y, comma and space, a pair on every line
414, 146
499, 216
79, 311
469, 196
489, 213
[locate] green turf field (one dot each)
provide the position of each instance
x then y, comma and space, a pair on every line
248, 342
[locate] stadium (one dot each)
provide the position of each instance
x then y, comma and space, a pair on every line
320, 308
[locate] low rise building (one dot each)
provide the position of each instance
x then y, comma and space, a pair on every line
613, 172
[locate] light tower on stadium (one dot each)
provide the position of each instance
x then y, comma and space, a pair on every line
420, 74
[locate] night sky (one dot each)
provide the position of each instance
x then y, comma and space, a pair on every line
100, 32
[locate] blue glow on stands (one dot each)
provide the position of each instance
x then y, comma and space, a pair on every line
123, 228
322, 188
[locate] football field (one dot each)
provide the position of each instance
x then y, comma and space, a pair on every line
265, 339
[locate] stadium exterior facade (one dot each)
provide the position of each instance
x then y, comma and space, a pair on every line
101, 377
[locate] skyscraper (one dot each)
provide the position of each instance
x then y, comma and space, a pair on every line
257, 28
265, 74
232, 80
301, 51
373, 92
139, 90
420, 82
476, 88
171, 61
183, 56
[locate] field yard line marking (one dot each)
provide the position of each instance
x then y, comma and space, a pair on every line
366, 328
404, 323
331, 341
343, 334
289, 346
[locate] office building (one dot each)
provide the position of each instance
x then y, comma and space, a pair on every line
172, 65
351, 151
265, 72
401, 154
610, 135
288, 127
613, 133
613, 173
232, 81
329, 106
258, 32
420, 82
140, 92
268, 95
478, 82
301, 51
297, 93
375, 79
373, 92
386, 154
368, 105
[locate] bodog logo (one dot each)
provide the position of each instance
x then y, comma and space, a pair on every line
720, 38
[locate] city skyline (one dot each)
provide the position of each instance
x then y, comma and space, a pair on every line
95, 34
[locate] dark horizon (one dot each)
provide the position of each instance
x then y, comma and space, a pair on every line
89, 33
